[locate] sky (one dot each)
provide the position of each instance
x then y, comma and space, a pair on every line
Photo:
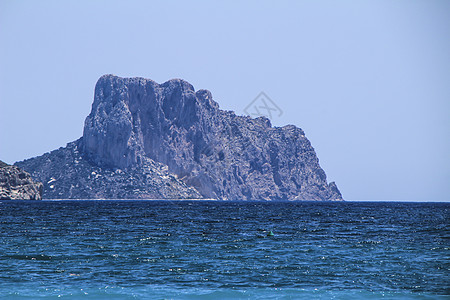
368, 81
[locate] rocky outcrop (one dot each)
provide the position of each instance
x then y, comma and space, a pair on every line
16, 184
67, 174
158, 134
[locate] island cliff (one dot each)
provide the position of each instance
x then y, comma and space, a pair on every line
148, 140
16, 184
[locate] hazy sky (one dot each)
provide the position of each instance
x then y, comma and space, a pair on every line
368, 81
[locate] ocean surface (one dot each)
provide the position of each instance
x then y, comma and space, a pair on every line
223, 250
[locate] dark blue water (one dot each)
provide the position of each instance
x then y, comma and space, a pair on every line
210, 250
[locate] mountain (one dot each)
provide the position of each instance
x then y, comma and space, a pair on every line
16, 184
148, 140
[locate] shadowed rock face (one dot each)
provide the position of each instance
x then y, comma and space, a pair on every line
136, 124
16, 184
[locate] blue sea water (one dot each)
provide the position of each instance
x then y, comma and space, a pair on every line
221, 250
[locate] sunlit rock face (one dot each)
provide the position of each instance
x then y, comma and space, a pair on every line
148, 140
16, 184
221, 155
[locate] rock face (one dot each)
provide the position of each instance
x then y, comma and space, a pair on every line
146, 140
16, 184
67, 174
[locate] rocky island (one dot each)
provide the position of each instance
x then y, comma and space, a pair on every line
16, 184
144, 140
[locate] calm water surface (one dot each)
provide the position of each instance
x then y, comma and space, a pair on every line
211, 250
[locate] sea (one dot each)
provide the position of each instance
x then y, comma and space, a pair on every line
224, 250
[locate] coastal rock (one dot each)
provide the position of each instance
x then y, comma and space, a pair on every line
66, 174
137, 124
16, 184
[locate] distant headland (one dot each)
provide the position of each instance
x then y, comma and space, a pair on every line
144, 140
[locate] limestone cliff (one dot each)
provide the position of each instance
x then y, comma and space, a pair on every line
169, 130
